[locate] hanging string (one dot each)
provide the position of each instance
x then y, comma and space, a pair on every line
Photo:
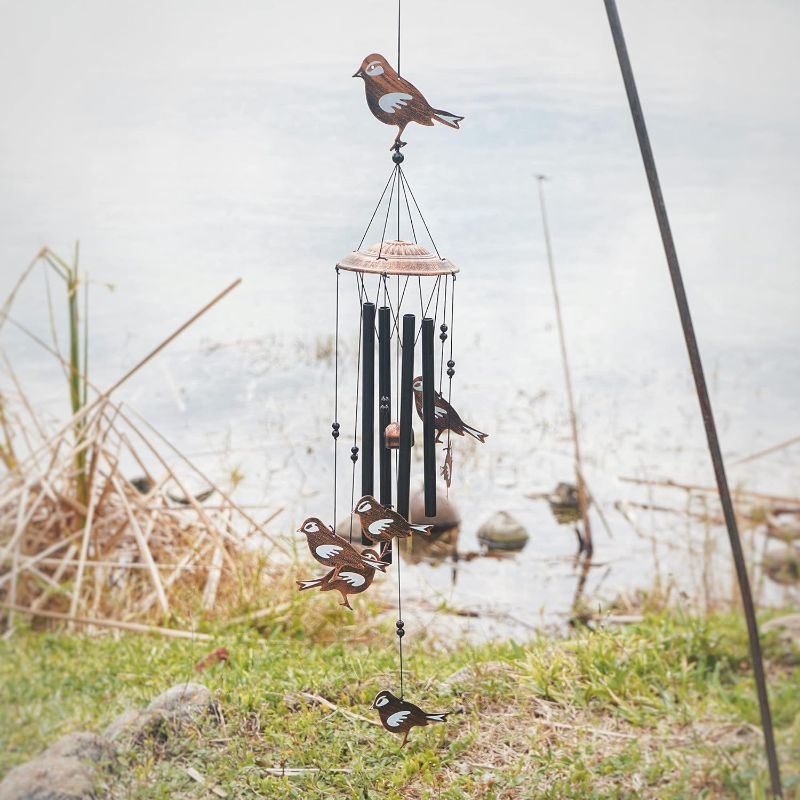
388, 211
335, 425
408, 206
398, 37
354, 448
377, 206
443, 336
421, 216
430, 298
450, 363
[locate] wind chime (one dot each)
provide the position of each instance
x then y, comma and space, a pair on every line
391, 277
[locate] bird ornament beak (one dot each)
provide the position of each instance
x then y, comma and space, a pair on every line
358, 74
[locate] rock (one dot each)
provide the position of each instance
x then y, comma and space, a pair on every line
82, 745
183, 702
502, 532
563, 501
49, 778
788, 632
447, 515
783, 566
132, 727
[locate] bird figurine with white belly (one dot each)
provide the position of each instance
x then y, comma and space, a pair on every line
445, 416
395, 101
349, 580
334, 551
400, 716
381, 524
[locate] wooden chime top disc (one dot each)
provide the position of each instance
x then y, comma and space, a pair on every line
397, 258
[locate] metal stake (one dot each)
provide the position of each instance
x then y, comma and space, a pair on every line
700, 386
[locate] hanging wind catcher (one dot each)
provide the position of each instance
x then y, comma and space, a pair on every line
405, 290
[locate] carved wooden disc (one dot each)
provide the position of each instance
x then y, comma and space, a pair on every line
397, 258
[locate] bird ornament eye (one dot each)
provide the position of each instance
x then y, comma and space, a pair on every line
417, 385
374, 69
311, 527
381, 700
365, 506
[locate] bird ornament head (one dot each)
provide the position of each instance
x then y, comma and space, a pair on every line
312, 525
365, 504
383, 698
373, 66
417, 385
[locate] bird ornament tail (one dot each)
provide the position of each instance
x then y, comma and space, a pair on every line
377, 564
437, 717
310, 584
479, 435
426, 529
446, 118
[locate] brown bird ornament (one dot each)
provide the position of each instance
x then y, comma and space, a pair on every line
334, 551
445, 416
395, 101
348, 580
381, 524
400, 716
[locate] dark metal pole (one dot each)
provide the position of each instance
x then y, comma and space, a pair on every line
406, 422
367, 401
700, 386
385, 410
428, 430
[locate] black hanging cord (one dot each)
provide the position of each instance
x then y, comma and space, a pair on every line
421, 216
450, 363
702, 390
377, 206
388, 211
398, 36
408, 206
443, 334
335, 425
354, 448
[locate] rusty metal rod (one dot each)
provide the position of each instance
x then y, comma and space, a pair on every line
702, 390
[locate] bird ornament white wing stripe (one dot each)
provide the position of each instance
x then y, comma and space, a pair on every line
398, 718
327, 551
439, 412
393, 101
353, 579
379, 526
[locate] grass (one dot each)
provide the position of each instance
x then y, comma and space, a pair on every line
662, 709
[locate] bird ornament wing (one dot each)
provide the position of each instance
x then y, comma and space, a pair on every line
379, 526
398, 718
328, 551
353, 579
393, 101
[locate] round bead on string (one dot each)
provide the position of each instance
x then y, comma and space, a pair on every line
335, 430
400, 625
443, 334
354, 454
450, 370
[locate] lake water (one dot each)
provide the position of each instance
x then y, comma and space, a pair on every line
187, 144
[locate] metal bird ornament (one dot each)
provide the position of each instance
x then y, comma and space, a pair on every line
334, 551
400, 716
349, 580
445, 416
395, 101
381, 524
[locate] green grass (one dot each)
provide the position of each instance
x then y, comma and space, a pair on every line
663, 709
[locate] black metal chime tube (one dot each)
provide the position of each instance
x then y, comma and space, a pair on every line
384, 410
406, 423
367, 401
428, 416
